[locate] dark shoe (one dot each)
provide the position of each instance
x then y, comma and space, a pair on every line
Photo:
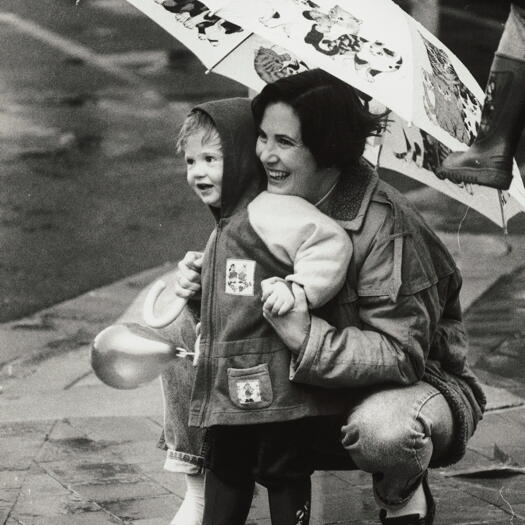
488, 161
414, 519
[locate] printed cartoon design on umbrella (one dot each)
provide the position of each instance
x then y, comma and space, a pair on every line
195, 15
258, 41
447, 100
273, 63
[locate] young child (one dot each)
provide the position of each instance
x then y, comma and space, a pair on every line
258, 422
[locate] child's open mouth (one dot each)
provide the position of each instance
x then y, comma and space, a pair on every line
204, 187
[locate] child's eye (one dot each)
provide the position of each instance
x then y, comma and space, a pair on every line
210, 158
189, 161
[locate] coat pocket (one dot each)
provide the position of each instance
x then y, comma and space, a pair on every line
250, 388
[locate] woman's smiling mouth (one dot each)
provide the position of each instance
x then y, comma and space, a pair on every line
276, 175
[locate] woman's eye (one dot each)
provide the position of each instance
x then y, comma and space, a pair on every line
261, 136
284, 142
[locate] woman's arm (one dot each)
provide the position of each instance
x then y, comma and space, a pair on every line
392, 347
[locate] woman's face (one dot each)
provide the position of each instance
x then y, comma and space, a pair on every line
290, 166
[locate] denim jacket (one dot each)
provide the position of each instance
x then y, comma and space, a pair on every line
398, 318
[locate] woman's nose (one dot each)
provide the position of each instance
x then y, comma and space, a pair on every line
267, 153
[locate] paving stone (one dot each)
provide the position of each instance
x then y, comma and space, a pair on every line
92, 518
118, 429
76, 447
30, 506
174, 482
26, 429
334, 499
471, 460
259, 521
144, 452
259, 509
454, 506
11, 479
496, 428
60, 370
352, 477
153, 521
39, 482
105, 492
63, 429
145, 508
519, 513
89, 472
17, 454
8, 497
500, 491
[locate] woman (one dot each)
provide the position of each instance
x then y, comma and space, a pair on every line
393, 338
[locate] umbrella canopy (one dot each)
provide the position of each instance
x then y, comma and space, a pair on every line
379, 49
436, 102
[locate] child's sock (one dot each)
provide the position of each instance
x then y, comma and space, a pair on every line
417, 504
192, 508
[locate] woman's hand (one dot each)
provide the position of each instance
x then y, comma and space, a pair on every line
294, 327
188, 275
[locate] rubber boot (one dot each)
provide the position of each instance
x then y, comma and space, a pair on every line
488, 161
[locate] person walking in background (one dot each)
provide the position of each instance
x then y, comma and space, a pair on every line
489, 159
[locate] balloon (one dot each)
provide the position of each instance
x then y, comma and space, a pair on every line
166, 318
129, 355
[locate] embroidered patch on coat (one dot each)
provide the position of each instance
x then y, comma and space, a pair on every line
240, 276
249, 391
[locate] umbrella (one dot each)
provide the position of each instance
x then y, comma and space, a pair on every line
436, 103
417, 154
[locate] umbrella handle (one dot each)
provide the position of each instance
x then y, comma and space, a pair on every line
166, 318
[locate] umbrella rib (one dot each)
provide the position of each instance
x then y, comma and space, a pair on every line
210, 69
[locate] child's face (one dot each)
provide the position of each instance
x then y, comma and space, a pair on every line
204, 163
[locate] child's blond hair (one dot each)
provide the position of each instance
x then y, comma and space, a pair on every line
196, 120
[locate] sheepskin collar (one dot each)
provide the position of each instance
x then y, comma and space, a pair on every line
349, 201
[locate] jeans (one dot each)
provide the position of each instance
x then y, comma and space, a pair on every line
393, 433
182, 443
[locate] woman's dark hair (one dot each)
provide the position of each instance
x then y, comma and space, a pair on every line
335, 121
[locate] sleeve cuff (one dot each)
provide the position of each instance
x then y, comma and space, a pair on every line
302, 364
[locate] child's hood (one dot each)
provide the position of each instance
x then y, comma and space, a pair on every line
243, 176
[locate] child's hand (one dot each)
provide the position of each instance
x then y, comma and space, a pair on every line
277, 296
188, 277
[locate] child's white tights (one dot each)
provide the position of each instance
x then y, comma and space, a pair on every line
192, 508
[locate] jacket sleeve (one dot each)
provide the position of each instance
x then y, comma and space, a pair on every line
390, 337
298, 234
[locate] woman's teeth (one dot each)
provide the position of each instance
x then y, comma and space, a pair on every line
277, 175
